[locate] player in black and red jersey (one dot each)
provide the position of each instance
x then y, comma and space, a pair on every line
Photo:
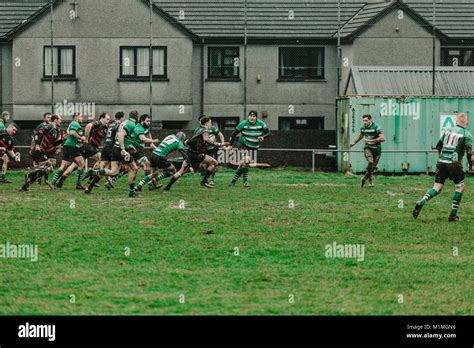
35, 139
7, 149
48, 139
94, 133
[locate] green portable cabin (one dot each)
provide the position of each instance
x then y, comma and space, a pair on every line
401, 101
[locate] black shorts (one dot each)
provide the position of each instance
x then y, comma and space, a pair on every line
88, 150
70, 153
39, 156
158, 162
213, 153
196, 158
117, 156
244, 147
51, 155
106, 154
137, 156
453, 171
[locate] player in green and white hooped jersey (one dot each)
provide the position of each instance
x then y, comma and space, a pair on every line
251, 133
212, 150
71, 151
371, 134
159, 160
452, 146
3, 129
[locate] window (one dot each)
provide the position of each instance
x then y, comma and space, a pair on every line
301, 63
223, 62
64, 61
457, 56
135, 62
295, 123
226, 123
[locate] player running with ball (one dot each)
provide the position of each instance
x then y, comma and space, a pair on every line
197, 157
452, 146
159, 161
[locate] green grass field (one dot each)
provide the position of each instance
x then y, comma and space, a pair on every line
185, 261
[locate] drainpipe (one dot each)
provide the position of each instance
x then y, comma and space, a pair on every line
203, 72
434, 47
52, 58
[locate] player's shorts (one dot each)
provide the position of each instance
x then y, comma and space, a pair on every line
213, 152
196, 158
372, 155
117, 156
139, 157
158, 162
51, 155
244, 147
106, 154
39, 156
88, 150
70, 153
453, 171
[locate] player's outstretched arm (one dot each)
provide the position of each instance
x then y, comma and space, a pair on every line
359, 138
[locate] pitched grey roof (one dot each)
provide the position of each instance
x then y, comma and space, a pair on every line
411, 81
455, 18
265, 19
270, 18
365, 14
15, 13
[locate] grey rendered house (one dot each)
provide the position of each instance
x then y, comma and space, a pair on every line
222, 58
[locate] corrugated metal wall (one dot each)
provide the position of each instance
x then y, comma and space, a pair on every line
409, 124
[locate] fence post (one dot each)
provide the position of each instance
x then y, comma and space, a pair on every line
427, 164
313, 164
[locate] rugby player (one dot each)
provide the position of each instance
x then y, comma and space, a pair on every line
451, 147
47, 140
250, 133
107, 150
4, 121
122, 155
159, 161
95, 132
141, 136
35, 144
197, 157
71, 151
4, 158
371, 134
7, 149
212, 150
